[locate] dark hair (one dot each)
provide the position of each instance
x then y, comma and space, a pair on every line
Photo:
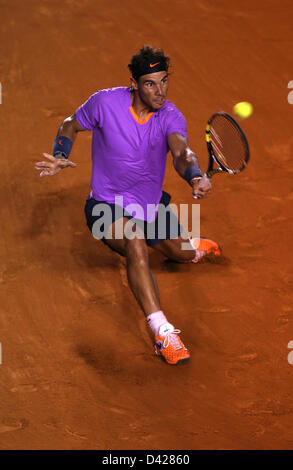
147, 54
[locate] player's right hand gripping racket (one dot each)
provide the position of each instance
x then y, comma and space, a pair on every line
227, 145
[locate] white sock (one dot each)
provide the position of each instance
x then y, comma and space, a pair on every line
156, 320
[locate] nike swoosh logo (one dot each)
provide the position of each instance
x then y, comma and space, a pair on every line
60, 142
152, 65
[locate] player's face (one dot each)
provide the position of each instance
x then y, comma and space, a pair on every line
153, 88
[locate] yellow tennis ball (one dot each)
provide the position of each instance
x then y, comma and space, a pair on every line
243, 109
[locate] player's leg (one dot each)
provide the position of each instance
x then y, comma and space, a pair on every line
140, 278
142, 284
168, 342
145, 290
107, 223
198, 248
173, 249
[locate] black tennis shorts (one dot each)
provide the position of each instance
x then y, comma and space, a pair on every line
168, 219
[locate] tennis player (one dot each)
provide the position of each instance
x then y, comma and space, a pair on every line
133, 130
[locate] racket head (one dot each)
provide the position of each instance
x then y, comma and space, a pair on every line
227, 144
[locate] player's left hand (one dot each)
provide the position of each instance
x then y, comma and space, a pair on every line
201, 187
53, 166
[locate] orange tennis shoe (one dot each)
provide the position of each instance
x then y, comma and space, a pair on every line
170, 347
204, 247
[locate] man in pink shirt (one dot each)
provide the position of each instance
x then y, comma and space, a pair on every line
133, 130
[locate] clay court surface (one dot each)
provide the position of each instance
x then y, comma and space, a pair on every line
78, 368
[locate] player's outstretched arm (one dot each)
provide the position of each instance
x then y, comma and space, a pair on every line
69, 128
186, 164
54, 164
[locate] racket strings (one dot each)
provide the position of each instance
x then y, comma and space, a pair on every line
228, 144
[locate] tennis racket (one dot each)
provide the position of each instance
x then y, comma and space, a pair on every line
227, 145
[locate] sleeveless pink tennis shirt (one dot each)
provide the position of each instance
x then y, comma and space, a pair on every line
128, 155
